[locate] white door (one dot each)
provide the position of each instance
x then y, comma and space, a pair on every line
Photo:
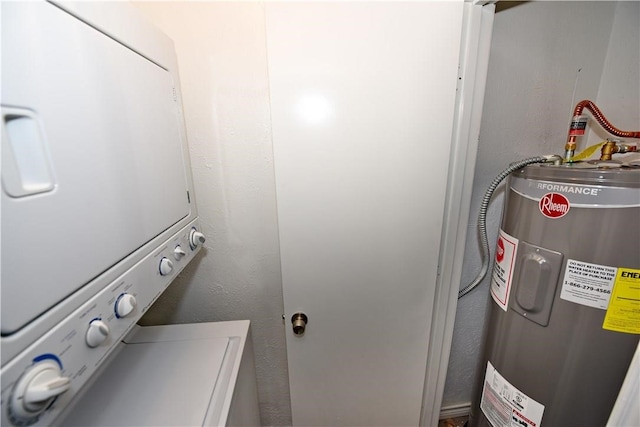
362, 98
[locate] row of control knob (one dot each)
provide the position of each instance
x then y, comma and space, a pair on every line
98, 330
42, 382
166, 265
196, 239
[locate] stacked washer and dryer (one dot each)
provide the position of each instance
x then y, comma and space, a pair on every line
98, 218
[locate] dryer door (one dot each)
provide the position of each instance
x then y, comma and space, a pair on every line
92, 161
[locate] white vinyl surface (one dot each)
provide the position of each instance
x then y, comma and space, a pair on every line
107, 174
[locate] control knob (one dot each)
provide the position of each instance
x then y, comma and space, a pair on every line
166, 266
36, 389
97, 333
125, 304
178, 253
196, 238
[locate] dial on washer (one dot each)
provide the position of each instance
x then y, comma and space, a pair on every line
97, 333
36, 389
166, 266
196, 238
125, 304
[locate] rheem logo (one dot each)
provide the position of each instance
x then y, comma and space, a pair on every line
500, 250
554, 205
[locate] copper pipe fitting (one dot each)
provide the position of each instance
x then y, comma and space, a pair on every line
612, 147
570, 146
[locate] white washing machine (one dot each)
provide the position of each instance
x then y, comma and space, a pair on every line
175, 375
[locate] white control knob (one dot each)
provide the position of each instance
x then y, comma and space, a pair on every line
125, 304
178, 253
97, 333
36, 389
166, 266
196, 238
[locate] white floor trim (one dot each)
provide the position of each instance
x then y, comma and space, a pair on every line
452, 411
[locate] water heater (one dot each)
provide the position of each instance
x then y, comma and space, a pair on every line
564, 321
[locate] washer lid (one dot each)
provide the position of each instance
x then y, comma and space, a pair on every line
166, 383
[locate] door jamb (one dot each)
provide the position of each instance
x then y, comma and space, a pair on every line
472, 76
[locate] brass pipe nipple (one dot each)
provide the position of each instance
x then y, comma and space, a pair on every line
612, 147
570, 149
608, 149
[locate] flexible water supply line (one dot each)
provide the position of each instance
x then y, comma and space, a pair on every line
482, 216
606, 124
579, 122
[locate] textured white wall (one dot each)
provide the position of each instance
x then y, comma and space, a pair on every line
223, 71
619, 92
536, 51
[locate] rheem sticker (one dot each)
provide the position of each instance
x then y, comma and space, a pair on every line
554, 205
506, 249
500, 250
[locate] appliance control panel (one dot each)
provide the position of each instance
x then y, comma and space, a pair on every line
40, 382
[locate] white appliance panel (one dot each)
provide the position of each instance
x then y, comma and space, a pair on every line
126, 184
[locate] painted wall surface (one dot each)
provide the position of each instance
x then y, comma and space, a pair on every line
536, 52
619, 91
223, 71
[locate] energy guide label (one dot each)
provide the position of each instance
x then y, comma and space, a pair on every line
505, 406
623, 314
588, 284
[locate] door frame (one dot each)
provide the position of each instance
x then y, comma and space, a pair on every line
477, 30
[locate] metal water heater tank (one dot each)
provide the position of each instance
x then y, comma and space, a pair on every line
564, 322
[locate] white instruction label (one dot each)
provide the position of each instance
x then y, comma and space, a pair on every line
505, 406
588, 284
502, 276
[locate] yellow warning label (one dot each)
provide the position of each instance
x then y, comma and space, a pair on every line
588, 152
623, 314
